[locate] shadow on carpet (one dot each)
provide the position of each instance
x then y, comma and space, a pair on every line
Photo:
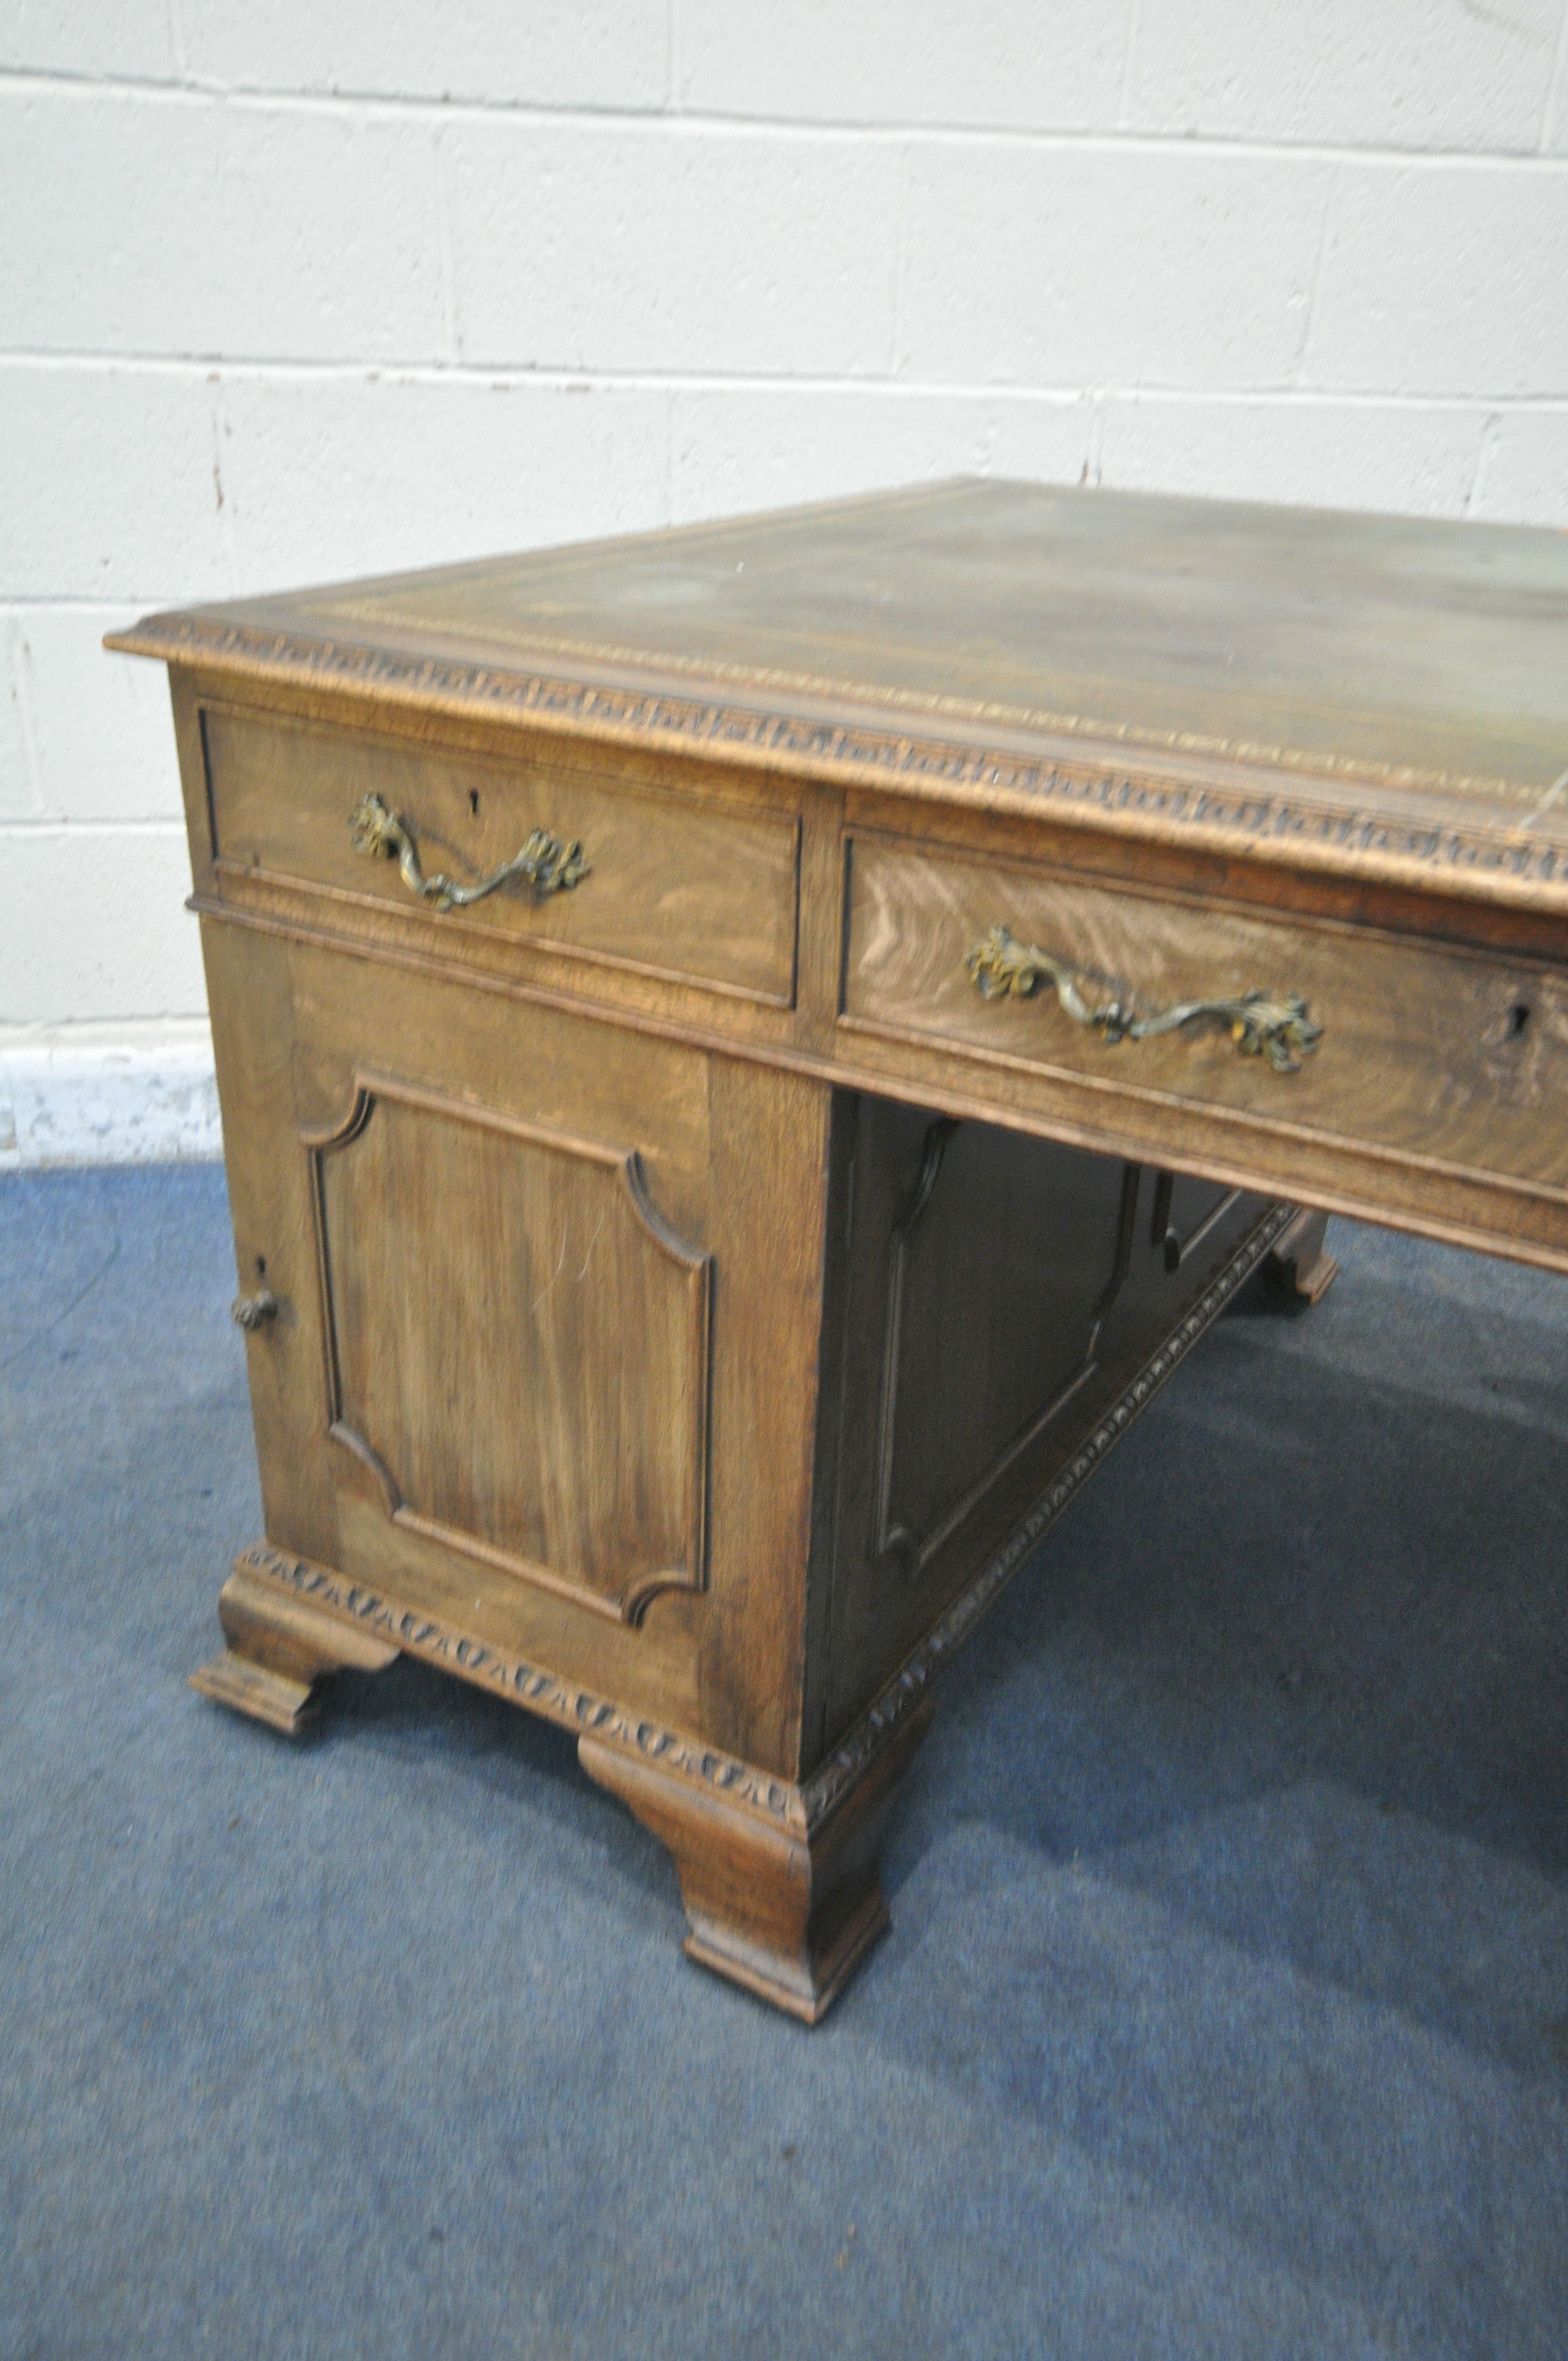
1225, 2010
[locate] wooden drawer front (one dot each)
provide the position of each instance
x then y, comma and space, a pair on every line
673, 888
1454, 1059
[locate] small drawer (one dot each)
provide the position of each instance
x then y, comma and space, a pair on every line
1445, 1057
660, 884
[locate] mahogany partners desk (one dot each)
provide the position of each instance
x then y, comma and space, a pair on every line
747, 1054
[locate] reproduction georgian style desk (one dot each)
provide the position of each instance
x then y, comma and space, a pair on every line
748, 1054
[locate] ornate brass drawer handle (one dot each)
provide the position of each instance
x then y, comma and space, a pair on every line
545, 862
253, 1312
1260, 1024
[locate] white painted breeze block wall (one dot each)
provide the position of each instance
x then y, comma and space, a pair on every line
310, 287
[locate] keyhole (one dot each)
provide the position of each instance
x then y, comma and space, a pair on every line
262, 1266
1519, 1017
474, 802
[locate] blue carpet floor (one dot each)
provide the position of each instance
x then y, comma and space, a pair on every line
1225, 2010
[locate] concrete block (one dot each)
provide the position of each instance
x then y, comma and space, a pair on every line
1407, 460
1083, 267
1445, 280
1554, 140
549, 53
1524, 472
95, 926
154, 224
735, 449
83, 36
101, 724
109, 486
108, 1094
1400, 74
672, 248
332, 476
18, 781
1011, 63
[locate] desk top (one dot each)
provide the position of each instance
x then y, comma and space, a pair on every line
1377, 694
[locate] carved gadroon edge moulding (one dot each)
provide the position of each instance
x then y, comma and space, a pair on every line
802, 1810
1271, 824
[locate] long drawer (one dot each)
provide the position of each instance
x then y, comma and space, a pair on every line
1449, 1056
698, 892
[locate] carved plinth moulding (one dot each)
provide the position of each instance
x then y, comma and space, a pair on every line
805, 1807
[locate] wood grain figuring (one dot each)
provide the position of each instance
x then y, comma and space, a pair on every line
1373, 696
673, 890
529, 1385
1485, 1108
291, 1024
692, 1301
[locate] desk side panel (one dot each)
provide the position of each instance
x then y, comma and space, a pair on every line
1001, 1295
545, 1360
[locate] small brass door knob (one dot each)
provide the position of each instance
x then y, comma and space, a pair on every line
252, 1311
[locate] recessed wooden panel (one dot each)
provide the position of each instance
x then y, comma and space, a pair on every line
998, 1294
517, 1345
1482, 1106
975, 1373
673, 888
